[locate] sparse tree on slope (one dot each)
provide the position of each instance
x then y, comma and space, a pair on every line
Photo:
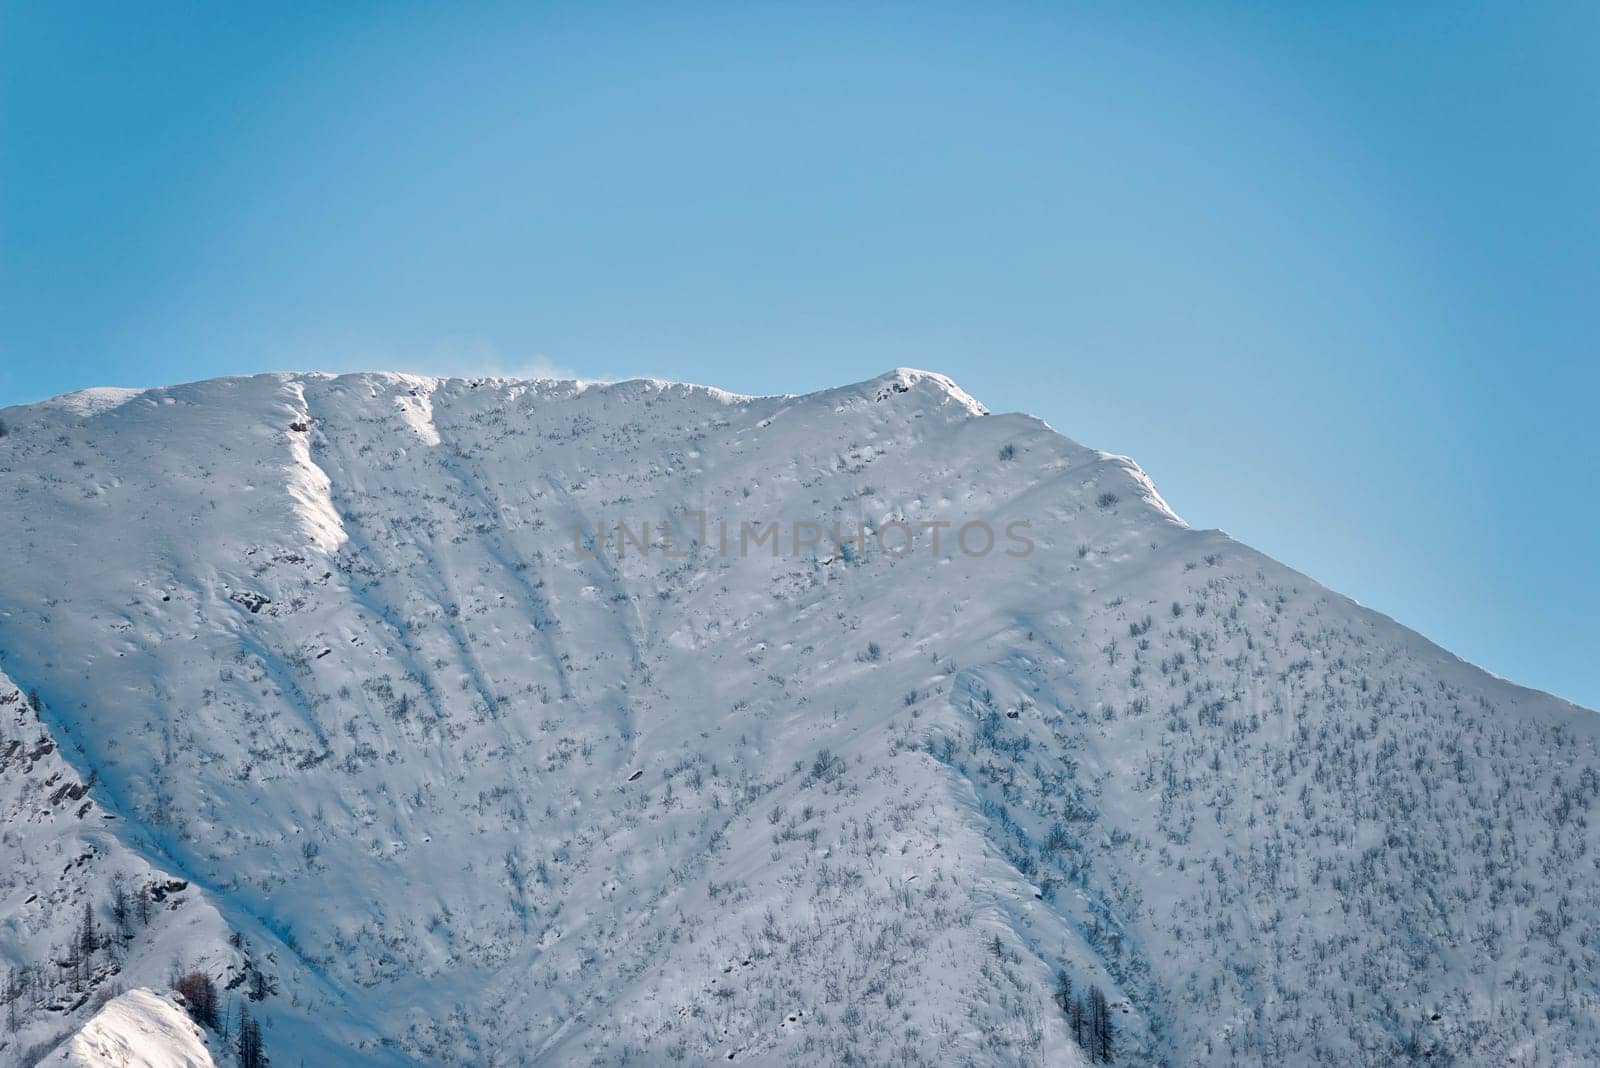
251, 1052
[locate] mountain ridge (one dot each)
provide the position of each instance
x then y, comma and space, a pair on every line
328, 642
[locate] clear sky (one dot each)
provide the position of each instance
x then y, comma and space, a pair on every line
1331, 273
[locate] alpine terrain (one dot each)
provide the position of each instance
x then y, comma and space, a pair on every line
379, 719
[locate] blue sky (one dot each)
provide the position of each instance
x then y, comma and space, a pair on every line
1329, 275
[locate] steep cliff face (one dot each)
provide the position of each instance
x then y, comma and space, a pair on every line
495, 722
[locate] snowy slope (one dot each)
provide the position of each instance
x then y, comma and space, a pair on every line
465, 791
60, 853
138, 1029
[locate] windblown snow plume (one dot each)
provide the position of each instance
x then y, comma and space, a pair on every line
440, 721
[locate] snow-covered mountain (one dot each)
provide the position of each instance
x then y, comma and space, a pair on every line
349, 694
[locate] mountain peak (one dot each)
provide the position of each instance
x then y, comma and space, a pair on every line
939, 389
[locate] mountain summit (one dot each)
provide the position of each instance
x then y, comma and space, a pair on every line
486, 721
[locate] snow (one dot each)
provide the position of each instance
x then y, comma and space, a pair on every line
93, 401
442, 789
62, 850
138, 1029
